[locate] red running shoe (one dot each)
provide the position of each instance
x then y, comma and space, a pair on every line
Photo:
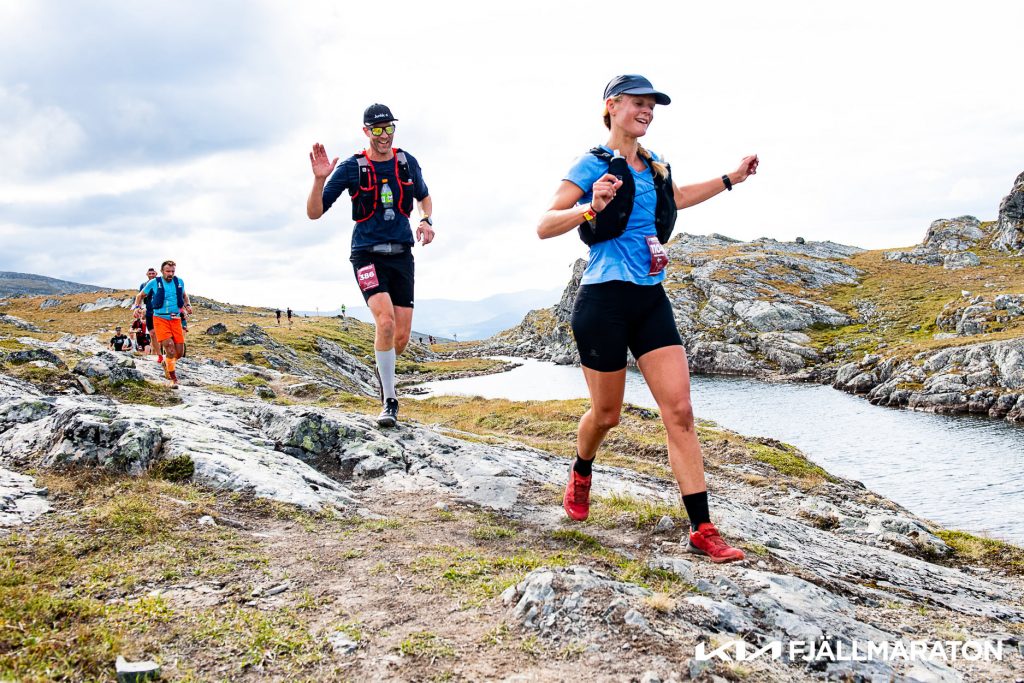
577, 496
706, 541
159, 359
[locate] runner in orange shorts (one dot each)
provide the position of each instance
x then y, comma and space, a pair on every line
169, 298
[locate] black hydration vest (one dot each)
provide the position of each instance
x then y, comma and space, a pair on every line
611, 222
366, 193
158, 300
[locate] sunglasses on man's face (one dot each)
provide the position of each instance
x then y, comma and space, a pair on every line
378, 131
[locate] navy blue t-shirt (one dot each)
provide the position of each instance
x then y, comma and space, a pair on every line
376, 230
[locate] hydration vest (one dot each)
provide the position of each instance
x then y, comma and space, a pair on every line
366, 193
158, 300
611, 222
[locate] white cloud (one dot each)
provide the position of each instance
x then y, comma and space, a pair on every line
184, 129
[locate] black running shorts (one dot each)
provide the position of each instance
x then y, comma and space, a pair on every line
610, 317
391, 273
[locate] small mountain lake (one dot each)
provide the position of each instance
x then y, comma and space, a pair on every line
962, 472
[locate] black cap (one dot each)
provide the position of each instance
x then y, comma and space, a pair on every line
634, 84
377, 113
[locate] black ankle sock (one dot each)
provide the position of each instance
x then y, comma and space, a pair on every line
582, 467
696, 505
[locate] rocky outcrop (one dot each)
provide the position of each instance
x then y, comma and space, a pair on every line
946, 244
107, 365
983, 379
1010, 228
105, 303
739, 312
18, 322
21, 501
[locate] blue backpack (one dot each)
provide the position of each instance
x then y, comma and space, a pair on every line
158, 300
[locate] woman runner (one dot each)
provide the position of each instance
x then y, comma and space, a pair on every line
621, 303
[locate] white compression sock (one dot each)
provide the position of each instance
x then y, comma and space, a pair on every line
386, 368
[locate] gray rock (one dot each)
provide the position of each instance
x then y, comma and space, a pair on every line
207, 520
31, 355
50, 303
218, 328
92, 367
1010, 228
105, 303
650, 677
21, 501
18, 322
963, 259
341, 643
665, 524
86, 385
136, 672
678, 566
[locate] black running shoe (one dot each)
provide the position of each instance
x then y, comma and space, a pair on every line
389, 415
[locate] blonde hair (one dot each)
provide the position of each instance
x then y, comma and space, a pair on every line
658, 168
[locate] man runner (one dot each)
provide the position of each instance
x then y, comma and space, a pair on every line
278, 313
383, 181
120, 340
169, 298
289, 317
150, 275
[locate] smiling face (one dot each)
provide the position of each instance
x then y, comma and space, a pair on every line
631, 113
380, 144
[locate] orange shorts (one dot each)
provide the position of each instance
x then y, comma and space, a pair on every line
164, 329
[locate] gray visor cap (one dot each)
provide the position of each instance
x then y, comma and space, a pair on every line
634, 84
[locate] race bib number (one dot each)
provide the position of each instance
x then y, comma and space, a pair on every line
367, 277
659, 257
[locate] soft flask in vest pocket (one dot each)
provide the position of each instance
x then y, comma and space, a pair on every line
611, 222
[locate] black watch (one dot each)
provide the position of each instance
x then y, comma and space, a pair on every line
426, 219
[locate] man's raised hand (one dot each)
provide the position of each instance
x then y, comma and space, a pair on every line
321, 163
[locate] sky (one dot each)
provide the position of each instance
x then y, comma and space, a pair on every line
131, 133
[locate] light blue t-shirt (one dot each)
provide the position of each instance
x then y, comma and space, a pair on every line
170, 308
627, 257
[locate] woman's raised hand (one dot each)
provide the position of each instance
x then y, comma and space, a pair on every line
748, 167
604, 191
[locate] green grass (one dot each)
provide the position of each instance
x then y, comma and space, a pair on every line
641, 513
987, 551
135, 391
789, 461
68, 589
179, 468
425, 644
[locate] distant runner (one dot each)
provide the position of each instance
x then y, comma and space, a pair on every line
383, 182
120, 341
278, 313
169, 299
141, 332
150, 275
289, 317
622, 200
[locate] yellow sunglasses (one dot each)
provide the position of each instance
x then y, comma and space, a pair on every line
378, 131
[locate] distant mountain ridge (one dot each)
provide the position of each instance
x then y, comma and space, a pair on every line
27, 284
446, 318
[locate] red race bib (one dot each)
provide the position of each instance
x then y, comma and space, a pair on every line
659, 257
367, 278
